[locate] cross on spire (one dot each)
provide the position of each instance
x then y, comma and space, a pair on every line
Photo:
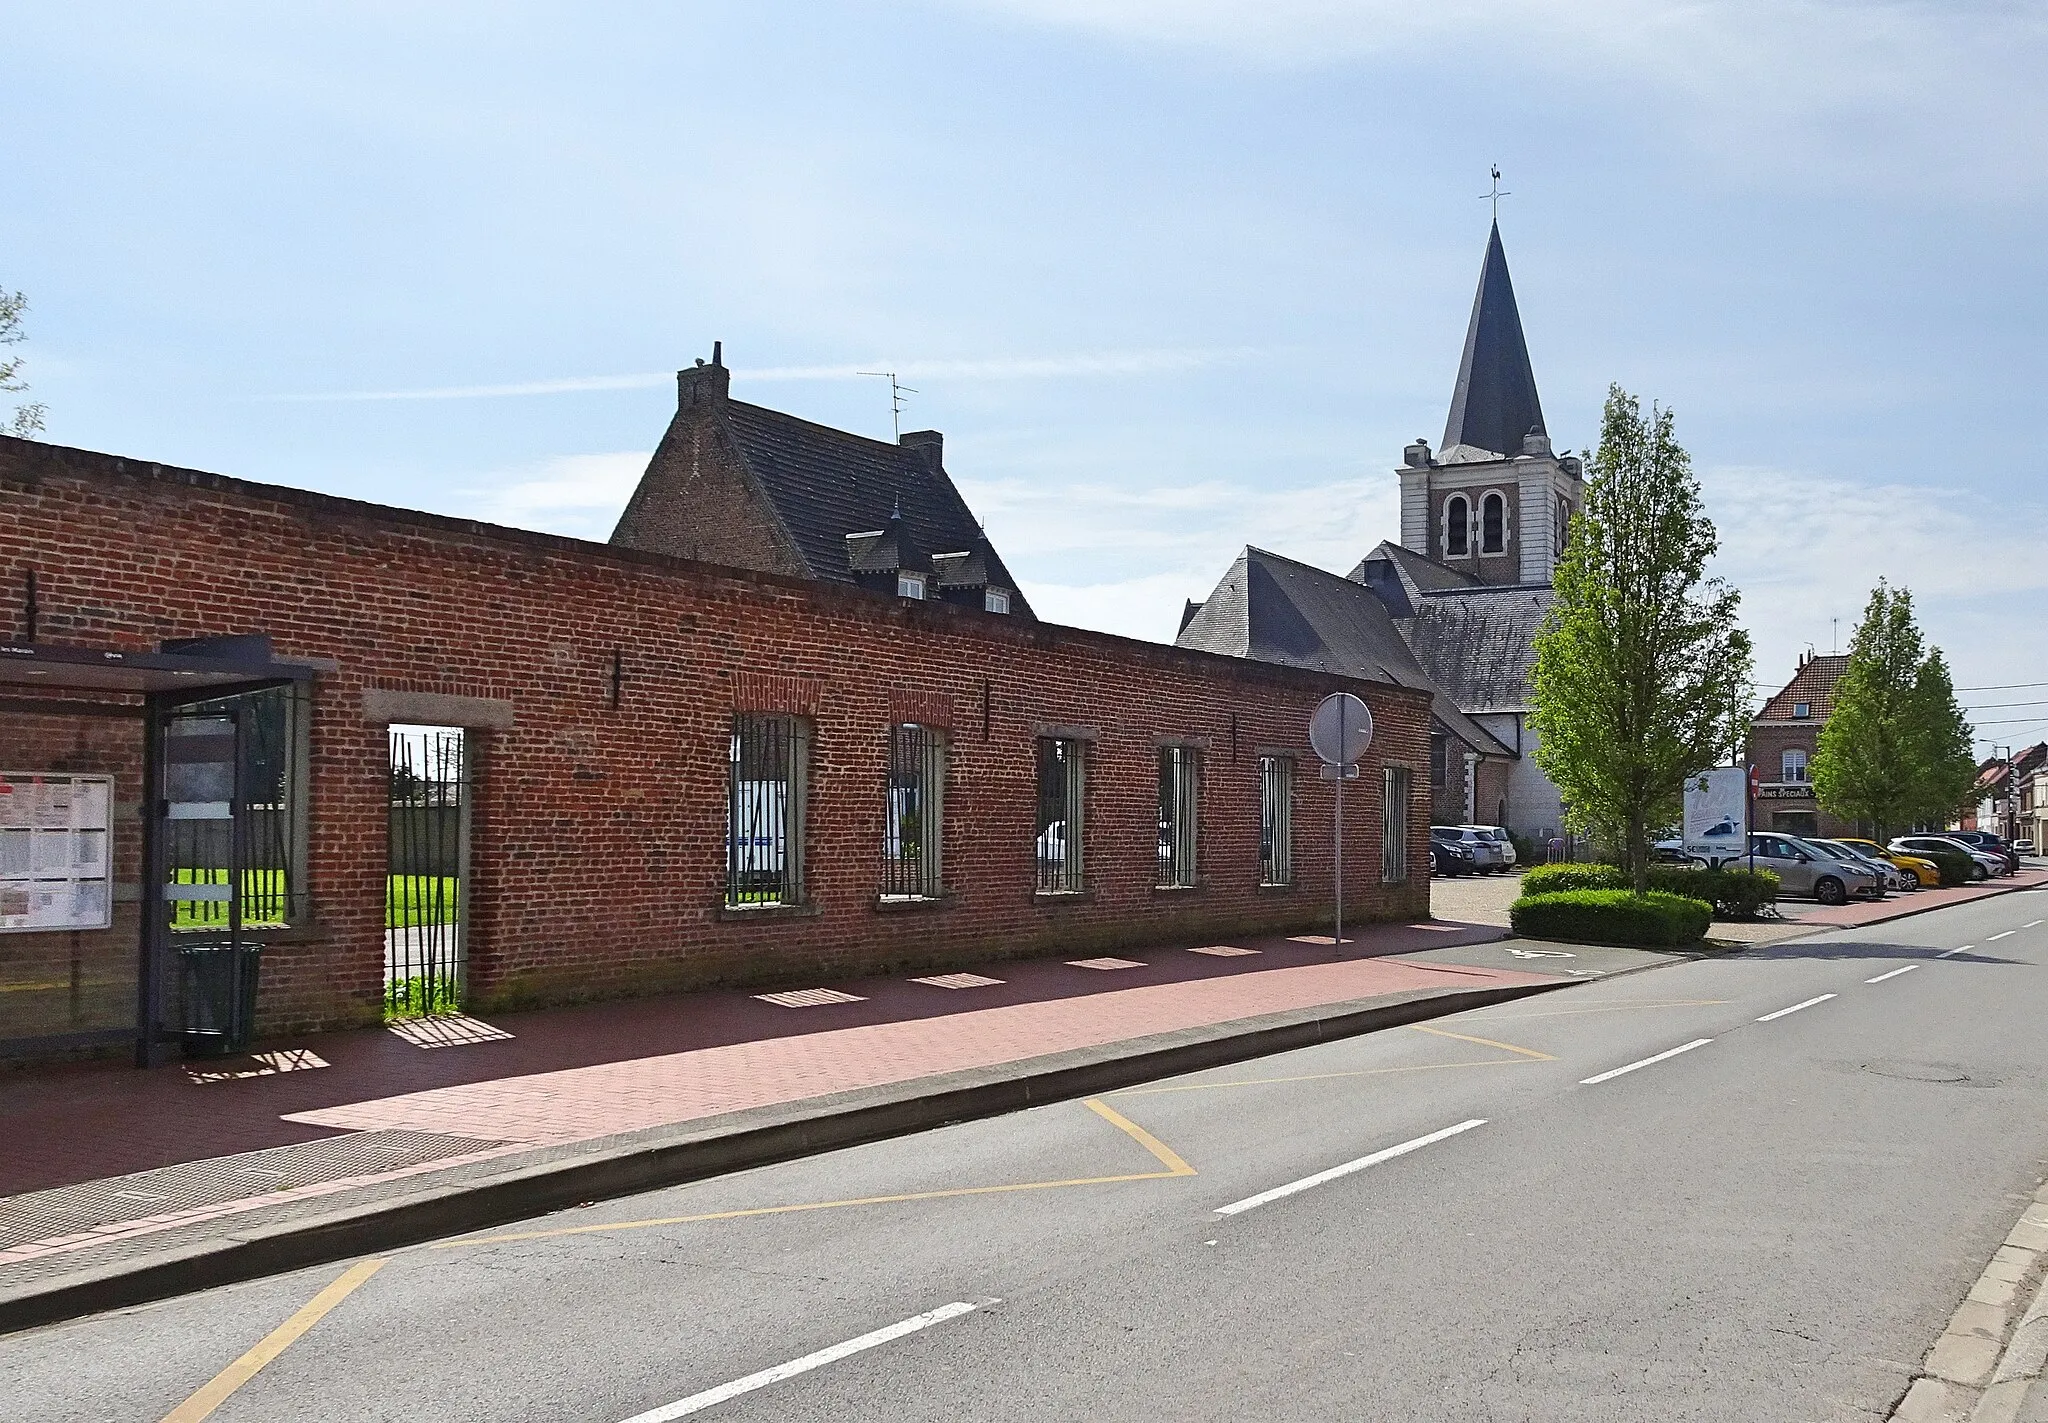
1497, 194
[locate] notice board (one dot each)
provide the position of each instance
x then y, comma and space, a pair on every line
56, 846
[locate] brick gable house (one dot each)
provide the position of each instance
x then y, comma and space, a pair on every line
1782, 739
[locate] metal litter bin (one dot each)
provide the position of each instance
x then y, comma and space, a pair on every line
217, 987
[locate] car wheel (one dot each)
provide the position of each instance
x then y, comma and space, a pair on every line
1981, 872
1829, 891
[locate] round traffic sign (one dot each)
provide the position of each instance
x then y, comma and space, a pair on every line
1341, 729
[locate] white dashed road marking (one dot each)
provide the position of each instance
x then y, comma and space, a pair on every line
1795, 1007
1598, 1078
1893, 974
1951, 953
2006, 935
698, 1402
1306, 1182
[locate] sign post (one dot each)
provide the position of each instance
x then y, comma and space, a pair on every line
1340, 730
1749, 836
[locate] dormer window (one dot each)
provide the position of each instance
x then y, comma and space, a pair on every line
995, 600
1801, 710
910, 585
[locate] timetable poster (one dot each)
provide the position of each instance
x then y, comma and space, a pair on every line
56, 836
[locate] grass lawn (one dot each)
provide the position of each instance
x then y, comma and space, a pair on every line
421, 899
409, 900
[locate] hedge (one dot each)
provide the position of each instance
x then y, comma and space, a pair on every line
1735, 893
1612, 916
1956, 867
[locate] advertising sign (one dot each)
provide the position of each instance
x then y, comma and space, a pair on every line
1717, 814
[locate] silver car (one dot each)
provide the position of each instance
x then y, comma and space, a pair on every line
1499, 837
1486, 852
1808, 870
1895, 878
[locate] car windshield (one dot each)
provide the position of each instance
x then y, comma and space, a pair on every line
1834, 849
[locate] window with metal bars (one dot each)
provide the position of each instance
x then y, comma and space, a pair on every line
764, 836
1276, 820
1062, 784
1177, 820
271, 813
1394, 827
914, 805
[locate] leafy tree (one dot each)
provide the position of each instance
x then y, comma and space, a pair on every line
1642, 677
27, 419
1895, 751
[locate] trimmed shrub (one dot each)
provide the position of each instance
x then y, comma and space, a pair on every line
1956, 867
1733, 893
1564, 878
1612, 916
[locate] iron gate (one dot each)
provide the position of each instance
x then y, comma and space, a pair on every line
205, 875
427, 879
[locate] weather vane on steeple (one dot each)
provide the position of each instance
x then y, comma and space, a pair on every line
1497, 194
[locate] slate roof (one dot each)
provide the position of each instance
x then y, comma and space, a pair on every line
1478, 644
826, 484
1814, 683
1401, 575
1494, 403
1273, 609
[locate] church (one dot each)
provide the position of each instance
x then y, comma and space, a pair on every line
1455, 606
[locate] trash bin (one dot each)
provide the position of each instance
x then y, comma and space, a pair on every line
217, 986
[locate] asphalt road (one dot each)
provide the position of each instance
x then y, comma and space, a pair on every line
1772, 1223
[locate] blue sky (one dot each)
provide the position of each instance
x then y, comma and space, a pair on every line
1172, 277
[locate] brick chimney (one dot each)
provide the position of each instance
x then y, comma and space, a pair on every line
930, 446
703, 384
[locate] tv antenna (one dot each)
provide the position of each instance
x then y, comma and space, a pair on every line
897, 390
1497, 194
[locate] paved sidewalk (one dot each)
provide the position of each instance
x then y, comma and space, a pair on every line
110, 1169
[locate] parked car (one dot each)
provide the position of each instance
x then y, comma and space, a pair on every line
2023, 847
1986, 865
1894, 877
1486, 852
1499, 837
1925, 870
1449, 858
1807, 870
1990, 844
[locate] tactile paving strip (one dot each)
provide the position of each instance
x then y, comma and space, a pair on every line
70, 1210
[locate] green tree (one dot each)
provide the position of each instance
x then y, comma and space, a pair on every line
1642, 677
27, 419
1896, 748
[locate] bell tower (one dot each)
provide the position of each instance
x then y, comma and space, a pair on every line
1494, 501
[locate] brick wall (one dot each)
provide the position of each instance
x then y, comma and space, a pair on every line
598, 830
1768, 742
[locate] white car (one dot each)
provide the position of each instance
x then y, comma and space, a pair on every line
1499, 837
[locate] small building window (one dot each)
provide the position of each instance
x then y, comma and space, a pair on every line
764, 825
914, 809
1794, 766
1802, 710
269, 816
1493, 524
1394, 827
1439, 758
1276, 820
910, 585
1062, 784
1457, 526
995, 600
1178, 768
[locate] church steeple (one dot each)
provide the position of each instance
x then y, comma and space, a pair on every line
1494, 406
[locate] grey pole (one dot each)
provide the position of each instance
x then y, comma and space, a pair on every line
1342, 709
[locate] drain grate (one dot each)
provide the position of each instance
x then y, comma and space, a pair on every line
959, 980
809, 998
74, 1210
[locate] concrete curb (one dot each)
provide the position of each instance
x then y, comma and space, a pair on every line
1991, 1354
670, 1156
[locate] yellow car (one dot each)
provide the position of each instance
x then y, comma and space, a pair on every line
1926, 871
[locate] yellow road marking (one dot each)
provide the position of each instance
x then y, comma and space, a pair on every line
1314, 1077
1485, 1042
1174, 1165
203, 1403
1167, 1157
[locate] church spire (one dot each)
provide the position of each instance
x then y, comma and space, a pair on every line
1495, 403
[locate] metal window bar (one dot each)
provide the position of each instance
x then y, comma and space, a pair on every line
1276, 820
1062, 777
764, 811
1177, 818
1394, 827
267, 818
425, 890
913, 802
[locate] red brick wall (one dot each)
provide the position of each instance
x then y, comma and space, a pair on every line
1768, 742
598, 834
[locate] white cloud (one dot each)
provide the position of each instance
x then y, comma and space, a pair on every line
1097, 363
578, 495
